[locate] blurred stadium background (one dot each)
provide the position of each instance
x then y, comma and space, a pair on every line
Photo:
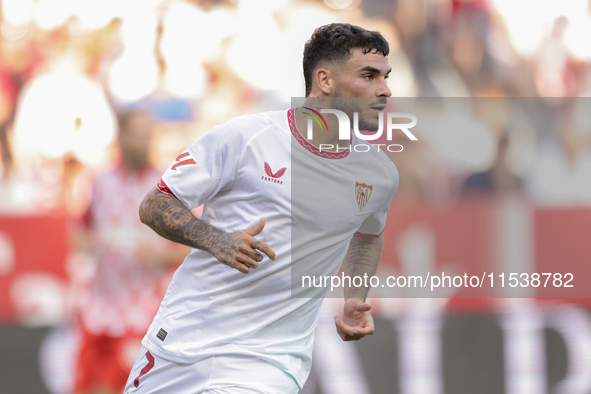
516, 197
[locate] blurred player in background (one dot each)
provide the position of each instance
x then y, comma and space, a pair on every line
219, 330
131, 271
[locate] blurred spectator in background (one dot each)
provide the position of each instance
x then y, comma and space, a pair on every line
131, 271
562, 165
496, 181
554, 71
6, 155
11, 76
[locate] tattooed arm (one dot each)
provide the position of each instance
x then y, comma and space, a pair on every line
171, 219
361, 259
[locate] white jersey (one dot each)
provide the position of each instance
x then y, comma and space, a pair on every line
243, 170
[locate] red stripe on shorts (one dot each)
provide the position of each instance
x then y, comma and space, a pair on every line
146, 369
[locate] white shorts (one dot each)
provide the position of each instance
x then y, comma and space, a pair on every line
224, 374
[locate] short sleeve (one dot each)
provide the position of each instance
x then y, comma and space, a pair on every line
373, 226
206, 167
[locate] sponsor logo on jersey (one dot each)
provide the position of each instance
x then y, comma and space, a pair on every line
273, 177
362, 194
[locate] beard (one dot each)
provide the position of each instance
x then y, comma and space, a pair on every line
361, 105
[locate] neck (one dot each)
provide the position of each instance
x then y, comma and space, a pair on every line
323, 134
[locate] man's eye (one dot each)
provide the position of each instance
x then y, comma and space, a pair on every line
368, 77
387, 76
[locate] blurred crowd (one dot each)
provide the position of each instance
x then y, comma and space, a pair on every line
67, 69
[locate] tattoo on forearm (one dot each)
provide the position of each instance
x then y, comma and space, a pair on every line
359, 255
169, 217
175, 218
362, 258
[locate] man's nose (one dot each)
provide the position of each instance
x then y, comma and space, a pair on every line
384, 90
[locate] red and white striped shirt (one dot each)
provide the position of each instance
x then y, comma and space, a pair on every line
125, 293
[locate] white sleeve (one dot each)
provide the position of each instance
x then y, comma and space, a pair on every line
207, 167
374, 225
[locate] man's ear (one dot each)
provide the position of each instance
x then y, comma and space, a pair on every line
325, 81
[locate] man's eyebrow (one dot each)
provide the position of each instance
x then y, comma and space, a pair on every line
373, 70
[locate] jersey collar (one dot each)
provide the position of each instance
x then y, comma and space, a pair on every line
310, 147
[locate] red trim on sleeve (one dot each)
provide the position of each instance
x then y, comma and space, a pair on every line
163, 187
362, 235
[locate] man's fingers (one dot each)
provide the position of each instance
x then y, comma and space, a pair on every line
240, 267
363, 307
365, 330
256, 229
339, 330
247, 261
256, 244
349, 333
346, 329
359, 304
256, 256
263, 247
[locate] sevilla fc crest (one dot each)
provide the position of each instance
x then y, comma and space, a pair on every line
362, 194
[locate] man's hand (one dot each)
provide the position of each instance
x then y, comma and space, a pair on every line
240, 249
357, 320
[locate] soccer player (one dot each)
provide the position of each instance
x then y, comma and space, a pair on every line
231, 320
131, 264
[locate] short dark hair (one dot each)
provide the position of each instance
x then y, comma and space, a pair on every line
334, 42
